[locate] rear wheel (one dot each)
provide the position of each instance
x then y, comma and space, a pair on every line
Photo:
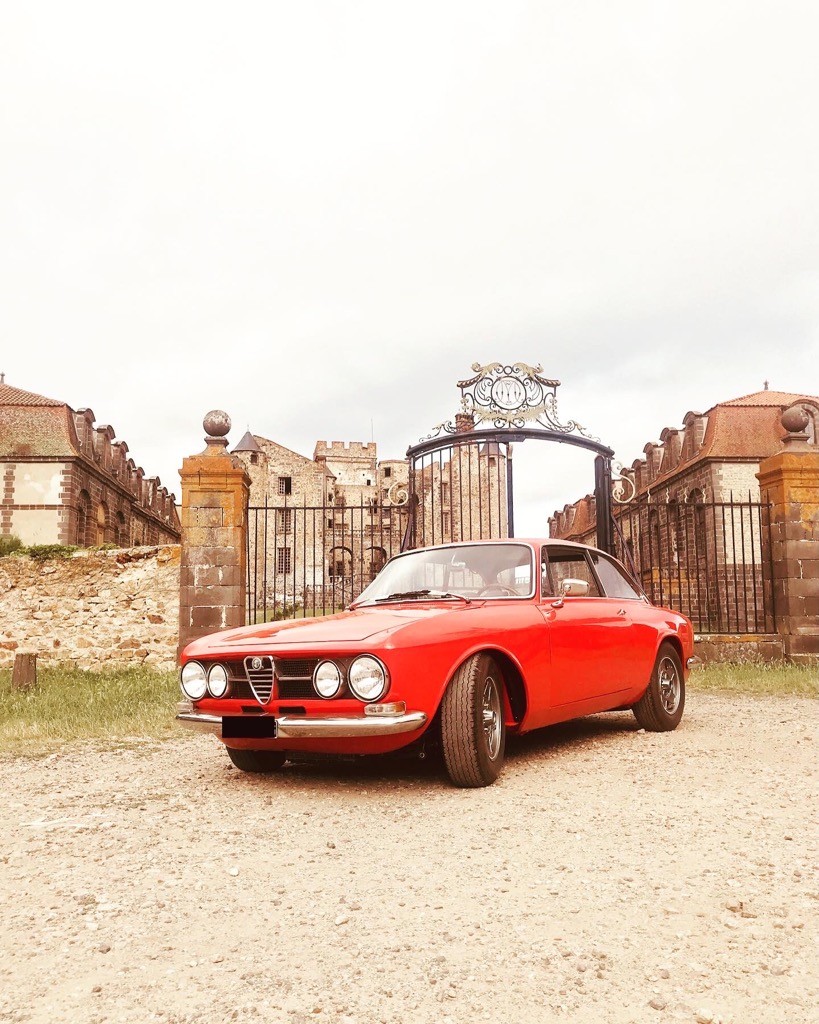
661, 706
473, 729
256, 761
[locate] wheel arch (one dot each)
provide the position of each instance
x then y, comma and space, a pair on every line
513, 680
676, 643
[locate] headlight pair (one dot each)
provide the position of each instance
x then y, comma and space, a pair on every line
367, 678
196, 682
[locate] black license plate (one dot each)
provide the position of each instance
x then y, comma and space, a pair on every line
235, 727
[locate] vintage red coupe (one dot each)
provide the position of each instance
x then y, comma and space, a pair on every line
455, 645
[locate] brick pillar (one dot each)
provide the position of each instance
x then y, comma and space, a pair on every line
215, 490
789, 480
464, 422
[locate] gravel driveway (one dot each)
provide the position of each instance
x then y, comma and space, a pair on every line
610, 875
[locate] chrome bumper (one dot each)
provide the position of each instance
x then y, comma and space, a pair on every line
297, 727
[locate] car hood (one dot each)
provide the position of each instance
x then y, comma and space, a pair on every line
349, 627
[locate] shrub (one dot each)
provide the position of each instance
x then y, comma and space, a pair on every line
44, 551
9, 544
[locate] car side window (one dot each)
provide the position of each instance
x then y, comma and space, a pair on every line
569, 563
614, 580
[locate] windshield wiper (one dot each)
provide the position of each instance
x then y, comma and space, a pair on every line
411, 594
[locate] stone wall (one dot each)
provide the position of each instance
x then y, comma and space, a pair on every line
97, 609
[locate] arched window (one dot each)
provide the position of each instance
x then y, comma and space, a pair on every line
695, 499
83, 512
102, 523
340, 562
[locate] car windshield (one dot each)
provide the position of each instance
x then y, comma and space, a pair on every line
463, 571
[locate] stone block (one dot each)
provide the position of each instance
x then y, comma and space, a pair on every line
803, 587
206, 618
205, 517
803, 645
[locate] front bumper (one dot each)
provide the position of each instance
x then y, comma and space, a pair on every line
298, 727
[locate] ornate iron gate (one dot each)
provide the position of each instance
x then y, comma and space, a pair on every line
461, 474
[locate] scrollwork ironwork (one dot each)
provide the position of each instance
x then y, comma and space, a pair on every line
623, 488
398, 494
447, 427
510, 396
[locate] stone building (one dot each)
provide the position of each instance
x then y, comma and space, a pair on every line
691, 521
66, 480
714, 456
320, 528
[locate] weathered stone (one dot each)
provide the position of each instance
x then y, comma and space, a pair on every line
89, 635
214, 498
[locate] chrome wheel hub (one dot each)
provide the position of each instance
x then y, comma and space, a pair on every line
492, 720
670, 688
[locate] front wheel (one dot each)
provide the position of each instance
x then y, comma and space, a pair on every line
256, 761
473, 728
661, 706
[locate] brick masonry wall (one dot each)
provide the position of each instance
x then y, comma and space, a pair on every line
116, 608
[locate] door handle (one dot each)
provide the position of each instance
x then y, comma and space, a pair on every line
621, 611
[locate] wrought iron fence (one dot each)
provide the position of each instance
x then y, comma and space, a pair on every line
708, 559
308, 560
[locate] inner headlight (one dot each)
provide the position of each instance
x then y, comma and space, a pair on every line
327, 679
368, 680
217, 680
192, 678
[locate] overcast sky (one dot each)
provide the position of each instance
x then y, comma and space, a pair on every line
317, 215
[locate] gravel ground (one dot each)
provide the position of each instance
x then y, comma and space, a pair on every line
610, 875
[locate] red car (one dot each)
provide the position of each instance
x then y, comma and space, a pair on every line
455, 645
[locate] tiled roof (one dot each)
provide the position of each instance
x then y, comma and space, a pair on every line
778, 399
16, 396
35, 430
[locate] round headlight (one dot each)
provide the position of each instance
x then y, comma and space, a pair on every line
327, 679
368, 680
193, 680
217, 680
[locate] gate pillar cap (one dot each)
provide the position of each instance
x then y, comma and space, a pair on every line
795, 420
217, 426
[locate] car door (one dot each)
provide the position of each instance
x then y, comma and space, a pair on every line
589, 636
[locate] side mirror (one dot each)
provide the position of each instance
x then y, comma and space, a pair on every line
574, 588
571, 588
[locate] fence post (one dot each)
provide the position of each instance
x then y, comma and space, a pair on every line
790, 481
213, 573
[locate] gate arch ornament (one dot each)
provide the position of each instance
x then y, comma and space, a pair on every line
460, 474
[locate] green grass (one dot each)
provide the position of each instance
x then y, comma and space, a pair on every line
68, 704
137, 704
758, 680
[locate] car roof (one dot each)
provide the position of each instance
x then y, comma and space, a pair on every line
531, 541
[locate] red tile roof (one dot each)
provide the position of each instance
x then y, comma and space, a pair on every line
43, 431
16, 396
779, 399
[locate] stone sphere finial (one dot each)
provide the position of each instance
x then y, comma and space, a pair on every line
216, 423
795, 420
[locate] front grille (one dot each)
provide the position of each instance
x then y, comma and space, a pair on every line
296, 668
259, 671
295, 678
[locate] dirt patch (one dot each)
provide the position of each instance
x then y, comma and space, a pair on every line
610, 875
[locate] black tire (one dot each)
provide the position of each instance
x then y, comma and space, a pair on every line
256, 761
474, 747
661, 706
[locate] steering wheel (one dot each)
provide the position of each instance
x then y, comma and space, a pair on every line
500, 587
